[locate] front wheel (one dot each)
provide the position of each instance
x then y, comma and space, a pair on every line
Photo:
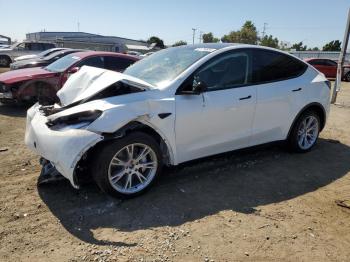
347, 77
305, 132
128, 166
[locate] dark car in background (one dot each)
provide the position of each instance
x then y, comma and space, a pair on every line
42, 83
329, 67
43, 61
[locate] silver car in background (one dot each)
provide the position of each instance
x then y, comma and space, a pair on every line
8, 55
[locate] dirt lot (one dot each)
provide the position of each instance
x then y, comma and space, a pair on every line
262, 204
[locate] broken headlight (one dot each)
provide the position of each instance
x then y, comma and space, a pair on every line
77, 120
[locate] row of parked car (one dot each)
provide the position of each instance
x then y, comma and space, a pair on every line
39, 77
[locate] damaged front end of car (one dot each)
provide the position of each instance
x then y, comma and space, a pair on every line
63, 133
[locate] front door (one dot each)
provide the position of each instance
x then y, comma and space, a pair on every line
219, 119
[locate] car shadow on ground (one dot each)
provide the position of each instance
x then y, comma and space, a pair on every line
238, 181
13, 110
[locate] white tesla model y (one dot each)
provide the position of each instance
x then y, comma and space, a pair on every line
176, 105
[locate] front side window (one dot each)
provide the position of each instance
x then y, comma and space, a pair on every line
117, 63
269, 66
226, 71
21, 46
95, 61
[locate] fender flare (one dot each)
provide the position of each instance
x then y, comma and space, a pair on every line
313, 104
139, 123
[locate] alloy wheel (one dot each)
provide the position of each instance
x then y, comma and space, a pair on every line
308, 132
132, 168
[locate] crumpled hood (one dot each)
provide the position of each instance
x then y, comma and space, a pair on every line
91, 80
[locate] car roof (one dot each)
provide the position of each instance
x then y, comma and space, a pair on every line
88, 53
211, 45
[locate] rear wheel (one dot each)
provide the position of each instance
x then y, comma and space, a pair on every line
305, 132
347, 77
128, 166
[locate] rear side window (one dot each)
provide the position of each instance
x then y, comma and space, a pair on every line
270, 66
330, 63
117, 63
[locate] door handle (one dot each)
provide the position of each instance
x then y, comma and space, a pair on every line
296, 90
244, 98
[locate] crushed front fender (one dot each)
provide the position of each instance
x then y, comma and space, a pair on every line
63, 148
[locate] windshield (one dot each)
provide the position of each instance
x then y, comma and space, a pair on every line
164, 66
47, 52
63, 63
54, 54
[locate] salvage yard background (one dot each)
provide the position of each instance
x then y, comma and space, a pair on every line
256, 204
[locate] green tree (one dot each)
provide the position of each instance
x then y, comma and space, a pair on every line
209, 38
313, 49
246, 35
299, 46
269, 41
181, 42
332, 46
154, 39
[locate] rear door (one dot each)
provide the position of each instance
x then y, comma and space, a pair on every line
219, 119
279, 94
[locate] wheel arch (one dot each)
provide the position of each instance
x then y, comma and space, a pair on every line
315, 106
136, 125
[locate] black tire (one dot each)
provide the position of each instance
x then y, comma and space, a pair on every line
5, 61
100, 167
347, 77
293, 136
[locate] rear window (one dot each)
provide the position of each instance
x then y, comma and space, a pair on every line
269, 66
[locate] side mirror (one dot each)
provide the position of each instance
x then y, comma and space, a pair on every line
197, 88
73, 70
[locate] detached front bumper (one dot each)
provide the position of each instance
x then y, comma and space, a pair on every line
63, 148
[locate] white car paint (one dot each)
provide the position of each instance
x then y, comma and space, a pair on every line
199, 125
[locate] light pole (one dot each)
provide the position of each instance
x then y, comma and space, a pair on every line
336, 87
193, 35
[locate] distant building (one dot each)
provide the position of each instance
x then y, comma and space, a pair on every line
82, 40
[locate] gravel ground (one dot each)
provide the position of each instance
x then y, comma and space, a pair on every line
261, 204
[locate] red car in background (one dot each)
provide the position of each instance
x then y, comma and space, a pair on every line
329, 67
33, 84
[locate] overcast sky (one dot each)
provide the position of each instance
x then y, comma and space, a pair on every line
313, 22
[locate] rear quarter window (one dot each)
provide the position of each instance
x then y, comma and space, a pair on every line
270, 66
